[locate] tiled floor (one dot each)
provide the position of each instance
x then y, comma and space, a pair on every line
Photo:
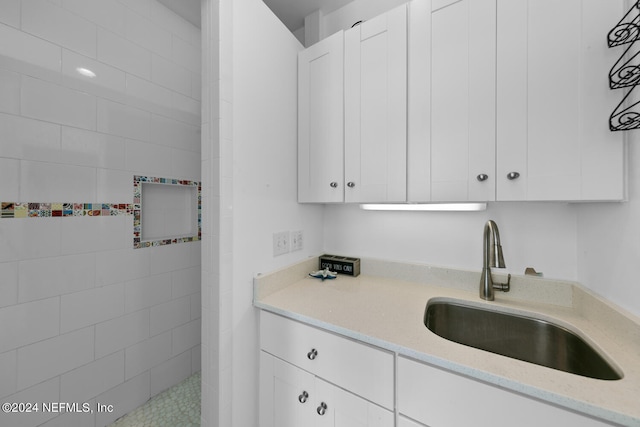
178, 406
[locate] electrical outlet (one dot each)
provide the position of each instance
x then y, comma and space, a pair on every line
296, 240
280, 243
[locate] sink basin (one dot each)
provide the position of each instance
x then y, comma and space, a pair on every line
519, 337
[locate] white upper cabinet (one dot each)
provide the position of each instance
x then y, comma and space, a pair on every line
320, 121
553, 101
375, 98
463, 100
419, 102
452, 100
463, 39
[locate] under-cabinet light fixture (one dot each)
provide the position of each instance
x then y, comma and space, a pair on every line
426, 207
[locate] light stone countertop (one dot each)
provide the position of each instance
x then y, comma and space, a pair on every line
385, 305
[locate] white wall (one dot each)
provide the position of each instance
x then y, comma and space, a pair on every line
217, 211
539, 235
609, 240
264, 179
84, 316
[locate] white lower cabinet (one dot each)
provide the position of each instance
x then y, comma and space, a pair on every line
285, 394
292, 397
310, 377
438, 398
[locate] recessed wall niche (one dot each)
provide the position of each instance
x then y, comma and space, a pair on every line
166, 211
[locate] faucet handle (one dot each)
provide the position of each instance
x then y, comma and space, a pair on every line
504, 287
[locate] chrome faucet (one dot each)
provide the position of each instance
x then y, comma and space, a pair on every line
492, 257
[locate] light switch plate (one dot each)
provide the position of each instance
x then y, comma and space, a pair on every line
280, 243
297, 242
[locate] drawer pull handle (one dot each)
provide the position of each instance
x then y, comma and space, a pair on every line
322, 408
482, 177
303, 397
312, 354
333, 184
513, 175
351, 184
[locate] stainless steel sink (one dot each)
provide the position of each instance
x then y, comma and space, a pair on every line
519, 337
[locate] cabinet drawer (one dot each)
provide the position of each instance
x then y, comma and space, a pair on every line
359, 368
439, 398
292, 397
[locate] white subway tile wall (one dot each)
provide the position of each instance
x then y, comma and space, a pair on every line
86, 148
57, 25
8, 372
10, 92
90, 307
121, 332
9, 284
47, 391
170, 315
185, 337
92, 93
9, 177
106, 80
30, 323
63, 352
128, 396
170, 372
10, 12
52, 182
28, 53
28, 139
42, 278
148, 353
93, 378
123, 54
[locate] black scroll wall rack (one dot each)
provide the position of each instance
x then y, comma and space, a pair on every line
626, 72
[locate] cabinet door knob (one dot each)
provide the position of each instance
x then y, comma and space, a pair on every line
333, 184
303, 397
512, 175
482, 177
351, 184
322, 408
312, 354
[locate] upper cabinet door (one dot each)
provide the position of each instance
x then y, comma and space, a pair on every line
553, 101
320, 121
376, 109
463, 70
419, 101
452, 73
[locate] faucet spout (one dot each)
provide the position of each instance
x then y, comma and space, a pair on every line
492, 257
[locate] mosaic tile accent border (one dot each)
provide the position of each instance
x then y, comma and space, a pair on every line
138, 180
48, 210
52, 210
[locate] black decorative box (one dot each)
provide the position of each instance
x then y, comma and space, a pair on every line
340, 264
